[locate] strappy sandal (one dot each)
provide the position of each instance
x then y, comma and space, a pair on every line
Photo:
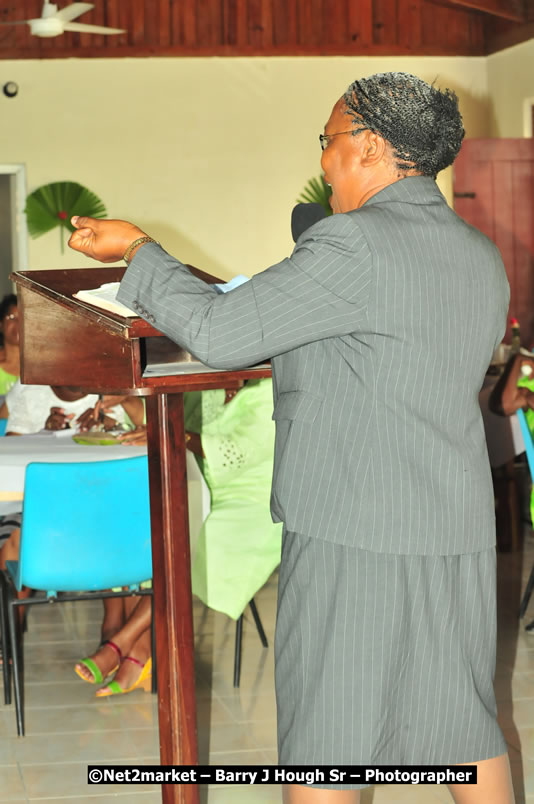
144, 681
94, 669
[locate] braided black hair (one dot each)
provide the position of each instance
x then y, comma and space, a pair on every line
421, 122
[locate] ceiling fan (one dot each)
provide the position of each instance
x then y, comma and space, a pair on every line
53, 22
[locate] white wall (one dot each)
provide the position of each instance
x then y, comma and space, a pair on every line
511, 87
207, 155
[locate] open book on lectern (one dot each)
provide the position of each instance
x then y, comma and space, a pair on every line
105, 296
162, 357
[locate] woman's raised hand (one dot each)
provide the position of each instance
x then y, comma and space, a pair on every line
103, 240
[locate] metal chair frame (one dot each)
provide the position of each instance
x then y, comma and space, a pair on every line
61, 542
12, 641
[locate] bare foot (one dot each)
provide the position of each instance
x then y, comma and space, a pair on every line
127, 674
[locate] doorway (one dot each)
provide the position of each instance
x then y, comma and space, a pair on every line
494, 191
13, 229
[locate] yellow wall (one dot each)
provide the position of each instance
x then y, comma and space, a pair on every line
207, 155
511, 87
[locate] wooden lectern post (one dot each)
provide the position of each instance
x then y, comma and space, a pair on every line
71, 343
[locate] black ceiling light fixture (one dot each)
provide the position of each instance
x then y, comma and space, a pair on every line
10, 88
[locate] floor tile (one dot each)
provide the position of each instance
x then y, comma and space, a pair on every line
260, 794
262, 733
247, 757
7, 754
67, 727
228, 737
116, 798
406, 794
94, 717
78, 693
11, 784
70, 779
11, 800
245, 705
89, 747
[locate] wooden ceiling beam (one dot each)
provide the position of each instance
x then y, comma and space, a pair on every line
500, 40
272, 28
7, 52
513, 10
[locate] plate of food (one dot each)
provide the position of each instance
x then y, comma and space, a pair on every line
98, 438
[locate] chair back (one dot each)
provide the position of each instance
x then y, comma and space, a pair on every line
85, 526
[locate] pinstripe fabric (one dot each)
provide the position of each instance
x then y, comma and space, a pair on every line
384, 659
381, 325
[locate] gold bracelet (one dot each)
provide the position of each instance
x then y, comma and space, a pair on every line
138, 242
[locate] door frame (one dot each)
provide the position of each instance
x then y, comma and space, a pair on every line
19, 227
528, 117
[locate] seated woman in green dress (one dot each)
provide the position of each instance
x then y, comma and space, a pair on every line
238, 546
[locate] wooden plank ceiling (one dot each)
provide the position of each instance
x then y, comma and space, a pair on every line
276, 28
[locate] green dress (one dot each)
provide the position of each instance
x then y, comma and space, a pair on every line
238, 546
528, 382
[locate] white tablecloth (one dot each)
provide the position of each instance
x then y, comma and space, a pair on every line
16, 452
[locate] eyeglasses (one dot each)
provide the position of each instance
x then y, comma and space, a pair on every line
324, 138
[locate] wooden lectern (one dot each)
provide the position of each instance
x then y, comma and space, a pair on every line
70, 343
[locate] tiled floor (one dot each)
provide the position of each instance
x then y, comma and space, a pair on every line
68, 728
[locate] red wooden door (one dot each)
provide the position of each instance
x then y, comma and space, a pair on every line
494, 191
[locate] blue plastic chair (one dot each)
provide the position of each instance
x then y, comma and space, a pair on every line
3, 425
85, 526
527, 438
529, 449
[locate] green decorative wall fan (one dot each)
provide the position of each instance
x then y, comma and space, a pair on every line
316, 191
53, 205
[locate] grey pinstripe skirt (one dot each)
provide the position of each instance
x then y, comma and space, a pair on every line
384, 659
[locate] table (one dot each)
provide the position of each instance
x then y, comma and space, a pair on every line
16, 452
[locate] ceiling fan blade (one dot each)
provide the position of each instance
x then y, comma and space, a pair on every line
94, 29
74, 10
16, 22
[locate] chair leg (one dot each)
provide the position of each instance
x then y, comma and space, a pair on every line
6, 666
237, 650
17, 662
526, 597
239, 638
259, 626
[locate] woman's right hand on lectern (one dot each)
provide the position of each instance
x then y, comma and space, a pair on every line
103, 240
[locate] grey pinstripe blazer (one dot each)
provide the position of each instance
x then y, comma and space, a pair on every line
381, 325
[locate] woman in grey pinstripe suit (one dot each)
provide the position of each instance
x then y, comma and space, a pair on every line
380, 326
